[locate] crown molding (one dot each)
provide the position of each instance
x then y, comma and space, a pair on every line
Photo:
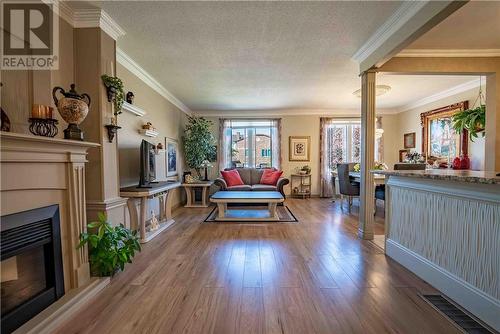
449, 53
93, 18
123, 59
441, 95
88, 18
63, 10
390, 27
288, 112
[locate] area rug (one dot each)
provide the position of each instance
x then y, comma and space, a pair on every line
284, 213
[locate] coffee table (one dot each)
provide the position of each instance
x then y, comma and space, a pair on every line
271, 198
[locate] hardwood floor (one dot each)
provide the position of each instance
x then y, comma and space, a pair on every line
312, 277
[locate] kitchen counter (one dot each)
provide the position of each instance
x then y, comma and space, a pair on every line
446, 174
444, 225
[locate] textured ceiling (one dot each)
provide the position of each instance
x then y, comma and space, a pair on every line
479, 23
261, 55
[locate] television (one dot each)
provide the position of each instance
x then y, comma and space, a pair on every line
147, 161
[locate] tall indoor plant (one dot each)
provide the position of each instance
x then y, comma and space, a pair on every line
198, 142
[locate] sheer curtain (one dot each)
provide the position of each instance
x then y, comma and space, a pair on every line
326, 189
231, 131
340, 142
225, 145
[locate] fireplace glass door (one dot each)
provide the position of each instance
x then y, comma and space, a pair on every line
31, 264
23, 277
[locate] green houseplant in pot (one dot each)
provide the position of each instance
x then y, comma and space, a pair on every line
116, 94
198, 143
110, 247
472, 120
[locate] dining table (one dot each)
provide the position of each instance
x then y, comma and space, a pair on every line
377, 178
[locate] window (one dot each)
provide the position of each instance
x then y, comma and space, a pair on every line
343, 140
251, 143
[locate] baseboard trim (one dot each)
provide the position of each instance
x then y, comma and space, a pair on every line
59, 312
481, 305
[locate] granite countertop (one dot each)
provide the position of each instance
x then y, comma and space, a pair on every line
446, 174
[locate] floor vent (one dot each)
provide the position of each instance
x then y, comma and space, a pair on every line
456, 315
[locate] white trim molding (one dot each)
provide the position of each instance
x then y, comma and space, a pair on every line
289, 112
90, 18
441, 95
400, 17
123, 59
454, 53
132, 108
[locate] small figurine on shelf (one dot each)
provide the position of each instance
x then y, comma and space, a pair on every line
148, 126
154, 221
130, 97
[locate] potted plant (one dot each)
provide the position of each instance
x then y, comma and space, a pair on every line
110, 248
198, 143
472, 120
114, 88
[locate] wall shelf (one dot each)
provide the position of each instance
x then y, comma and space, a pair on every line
133, 109
148, 133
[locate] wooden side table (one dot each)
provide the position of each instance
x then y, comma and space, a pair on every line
301, 185
190, 195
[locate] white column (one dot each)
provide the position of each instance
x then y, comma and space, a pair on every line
365, 229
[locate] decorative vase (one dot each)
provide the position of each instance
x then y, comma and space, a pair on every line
464, 162
73, 108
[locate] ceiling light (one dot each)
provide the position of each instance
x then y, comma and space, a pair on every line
379, 90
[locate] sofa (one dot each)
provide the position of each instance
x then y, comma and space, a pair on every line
251, 177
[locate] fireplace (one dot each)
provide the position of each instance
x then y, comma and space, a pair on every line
31, 264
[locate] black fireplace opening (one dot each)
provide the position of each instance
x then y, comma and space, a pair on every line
31, 264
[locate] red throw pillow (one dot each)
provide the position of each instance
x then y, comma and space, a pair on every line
232, 177
270, 177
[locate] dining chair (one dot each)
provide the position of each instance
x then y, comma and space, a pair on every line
346, 186
380, 189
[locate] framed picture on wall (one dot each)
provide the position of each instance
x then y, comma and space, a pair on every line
409, 140
403, 154
171, 156
299, 148
439, 139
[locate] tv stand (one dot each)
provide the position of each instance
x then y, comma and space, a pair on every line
162, 190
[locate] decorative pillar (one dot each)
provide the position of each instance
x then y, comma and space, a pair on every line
95, 52
80, 269
492, 140
367, 195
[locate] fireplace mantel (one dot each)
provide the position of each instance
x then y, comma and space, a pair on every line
40, 171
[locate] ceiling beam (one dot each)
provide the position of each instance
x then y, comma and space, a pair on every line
410, 21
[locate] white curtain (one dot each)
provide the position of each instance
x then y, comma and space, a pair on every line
276, 142
326, 189
225, 144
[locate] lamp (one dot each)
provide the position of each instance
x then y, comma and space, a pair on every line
205, 164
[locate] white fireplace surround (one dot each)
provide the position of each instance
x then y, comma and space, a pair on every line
38, 172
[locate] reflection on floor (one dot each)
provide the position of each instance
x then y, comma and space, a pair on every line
315, 276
